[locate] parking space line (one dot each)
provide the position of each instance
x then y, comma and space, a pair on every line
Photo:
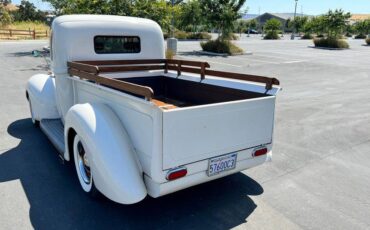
220, 63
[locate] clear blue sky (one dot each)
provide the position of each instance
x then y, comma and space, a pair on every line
309, 6
283, 6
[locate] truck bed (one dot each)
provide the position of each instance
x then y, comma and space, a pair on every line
183, 93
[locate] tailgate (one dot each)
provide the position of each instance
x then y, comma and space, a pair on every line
198, 133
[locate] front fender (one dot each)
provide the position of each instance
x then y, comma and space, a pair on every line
115, 168
41, 95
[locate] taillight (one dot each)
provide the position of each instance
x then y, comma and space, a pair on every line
176, 173
260, 152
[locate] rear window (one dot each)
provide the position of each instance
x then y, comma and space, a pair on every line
116, 44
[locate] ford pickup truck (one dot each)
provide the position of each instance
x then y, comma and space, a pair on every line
134, 123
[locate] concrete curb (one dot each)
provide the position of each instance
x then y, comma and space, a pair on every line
221, 54
191, 40
327, 48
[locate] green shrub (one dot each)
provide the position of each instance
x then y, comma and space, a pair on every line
220, 46
307, 36
201, 35
320, 36
331, 43
271, 35
169, 54
348, 35
368, 41
181, 35
360, 36
186, 35
234, 37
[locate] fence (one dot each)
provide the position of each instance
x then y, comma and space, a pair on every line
24, 33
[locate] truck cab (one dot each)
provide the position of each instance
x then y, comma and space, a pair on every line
135, 123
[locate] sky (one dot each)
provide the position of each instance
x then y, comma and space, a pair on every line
311, 7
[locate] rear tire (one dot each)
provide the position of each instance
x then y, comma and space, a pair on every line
83, 170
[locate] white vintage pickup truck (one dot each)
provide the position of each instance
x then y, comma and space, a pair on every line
135, 123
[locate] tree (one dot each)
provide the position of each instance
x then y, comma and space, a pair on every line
159, 11
272, 27
253, 24
28, 12
5, 17
190, 16
5, 2
241, 26
318, 26
298, 23
335, 23
221, 14
363, 27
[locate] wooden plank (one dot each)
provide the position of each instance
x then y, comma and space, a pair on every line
244, 77
84, 75
83, 67
110, 69
188, 63
144, 91
184, 69
124, 62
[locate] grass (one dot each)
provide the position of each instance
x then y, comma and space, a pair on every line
331, 43
221, 46
26, 25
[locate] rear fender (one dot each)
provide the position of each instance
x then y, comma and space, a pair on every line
41, 95
114, 164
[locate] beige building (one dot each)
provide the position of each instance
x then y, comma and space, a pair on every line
358, 17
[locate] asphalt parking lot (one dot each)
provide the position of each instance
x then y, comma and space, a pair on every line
319, 177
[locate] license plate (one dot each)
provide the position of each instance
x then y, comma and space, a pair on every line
221, 164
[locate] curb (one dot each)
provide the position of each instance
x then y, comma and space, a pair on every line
221, 54
327, 48
190, 40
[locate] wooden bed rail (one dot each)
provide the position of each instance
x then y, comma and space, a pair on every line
91, 70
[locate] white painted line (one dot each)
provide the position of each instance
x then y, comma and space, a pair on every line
291, 62
252, 60
220, 63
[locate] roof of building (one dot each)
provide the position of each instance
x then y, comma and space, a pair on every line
359, 17
11, 7
286, 16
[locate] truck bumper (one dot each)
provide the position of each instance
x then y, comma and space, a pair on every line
156, 189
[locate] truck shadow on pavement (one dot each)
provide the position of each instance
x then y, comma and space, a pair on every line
57, 201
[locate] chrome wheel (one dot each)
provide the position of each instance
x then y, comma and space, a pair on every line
83, 163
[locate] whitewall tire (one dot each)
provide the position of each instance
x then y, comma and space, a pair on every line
82, 165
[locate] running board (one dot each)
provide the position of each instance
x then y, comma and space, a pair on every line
54, 130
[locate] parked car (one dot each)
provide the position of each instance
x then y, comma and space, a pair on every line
134, 123
251, 31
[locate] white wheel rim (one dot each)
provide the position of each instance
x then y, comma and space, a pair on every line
82, 164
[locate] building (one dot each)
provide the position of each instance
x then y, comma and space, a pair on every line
11, 7
263, 18
358, 18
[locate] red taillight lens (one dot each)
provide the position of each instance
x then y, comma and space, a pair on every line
260, 152
177, 173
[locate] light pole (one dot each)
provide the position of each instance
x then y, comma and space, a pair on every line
295, 12
172, 41
172, 20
